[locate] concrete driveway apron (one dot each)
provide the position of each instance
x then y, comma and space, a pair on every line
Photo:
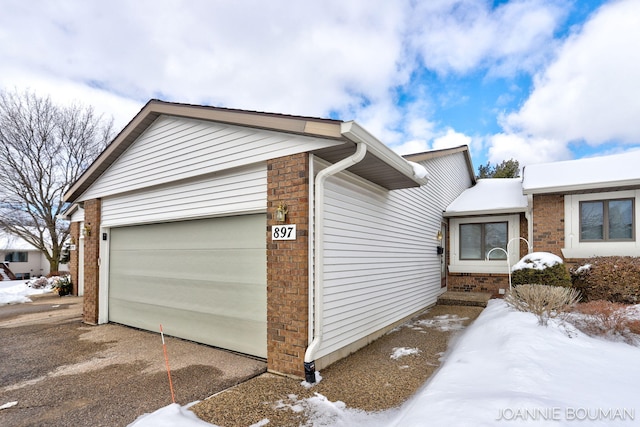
63, 372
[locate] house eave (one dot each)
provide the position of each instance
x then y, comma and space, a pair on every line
583, 187
406, 176
458, 214
314, 127
381, 165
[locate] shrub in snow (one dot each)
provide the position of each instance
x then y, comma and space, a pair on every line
544, 301
615, 279
540, 268
39, 283
607, 319
62, 285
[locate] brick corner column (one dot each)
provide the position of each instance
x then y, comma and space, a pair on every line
288, 266
92, 217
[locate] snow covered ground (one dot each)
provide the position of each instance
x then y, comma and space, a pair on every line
502, 370
17, 292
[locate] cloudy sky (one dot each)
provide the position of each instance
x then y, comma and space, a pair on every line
534, 80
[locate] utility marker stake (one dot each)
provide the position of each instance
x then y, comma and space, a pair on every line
166, 361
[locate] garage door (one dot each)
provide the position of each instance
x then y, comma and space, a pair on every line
203, 280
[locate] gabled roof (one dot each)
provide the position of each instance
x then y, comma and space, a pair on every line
615, 171
489, 196
381, 165
11, 242
432, 154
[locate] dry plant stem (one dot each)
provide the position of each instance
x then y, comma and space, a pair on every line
544, 301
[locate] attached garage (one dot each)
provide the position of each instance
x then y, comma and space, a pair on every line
179, 218
203, 280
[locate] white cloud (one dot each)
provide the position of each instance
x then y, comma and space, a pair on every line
590, 92
458, 36
305, 58
354, 59
451, 139
66, 92
412, 147
525, 150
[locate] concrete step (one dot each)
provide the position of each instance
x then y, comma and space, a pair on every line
478, 299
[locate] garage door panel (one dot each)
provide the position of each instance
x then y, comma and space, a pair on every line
239, 266
203, 280
220, 298
221, 331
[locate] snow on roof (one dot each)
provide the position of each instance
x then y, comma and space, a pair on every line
489, 196
14, 243
594, 172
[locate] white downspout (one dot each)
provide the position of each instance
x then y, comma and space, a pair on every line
528, 214
321, 177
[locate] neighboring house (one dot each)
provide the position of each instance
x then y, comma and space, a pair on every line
289, 238
22, 258
574, 209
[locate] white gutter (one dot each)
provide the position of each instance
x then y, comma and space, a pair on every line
529, 216
321, 177
356, 133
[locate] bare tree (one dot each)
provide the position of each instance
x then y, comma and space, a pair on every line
44, 148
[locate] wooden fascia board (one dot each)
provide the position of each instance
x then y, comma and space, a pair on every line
323, 128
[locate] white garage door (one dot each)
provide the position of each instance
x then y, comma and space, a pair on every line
203, 280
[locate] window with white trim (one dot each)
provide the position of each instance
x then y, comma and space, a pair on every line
601, 224
477, 239
472, 238
607, 220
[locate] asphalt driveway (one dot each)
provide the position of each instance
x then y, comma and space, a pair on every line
66, 373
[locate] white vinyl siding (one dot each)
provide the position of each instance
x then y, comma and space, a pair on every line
242, 190
381, 263
174, 149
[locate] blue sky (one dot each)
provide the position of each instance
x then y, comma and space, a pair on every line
534, 80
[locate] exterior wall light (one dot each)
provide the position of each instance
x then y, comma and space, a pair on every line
281, 213
86, 232
439, 236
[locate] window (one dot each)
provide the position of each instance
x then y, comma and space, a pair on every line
477, 239
473, 237
605, 220
16, 257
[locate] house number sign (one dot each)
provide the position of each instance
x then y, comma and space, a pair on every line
283, 232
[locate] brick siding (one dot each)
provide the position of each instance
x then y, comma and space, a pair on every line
91, 254
287, 266
470, 282
548, 223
